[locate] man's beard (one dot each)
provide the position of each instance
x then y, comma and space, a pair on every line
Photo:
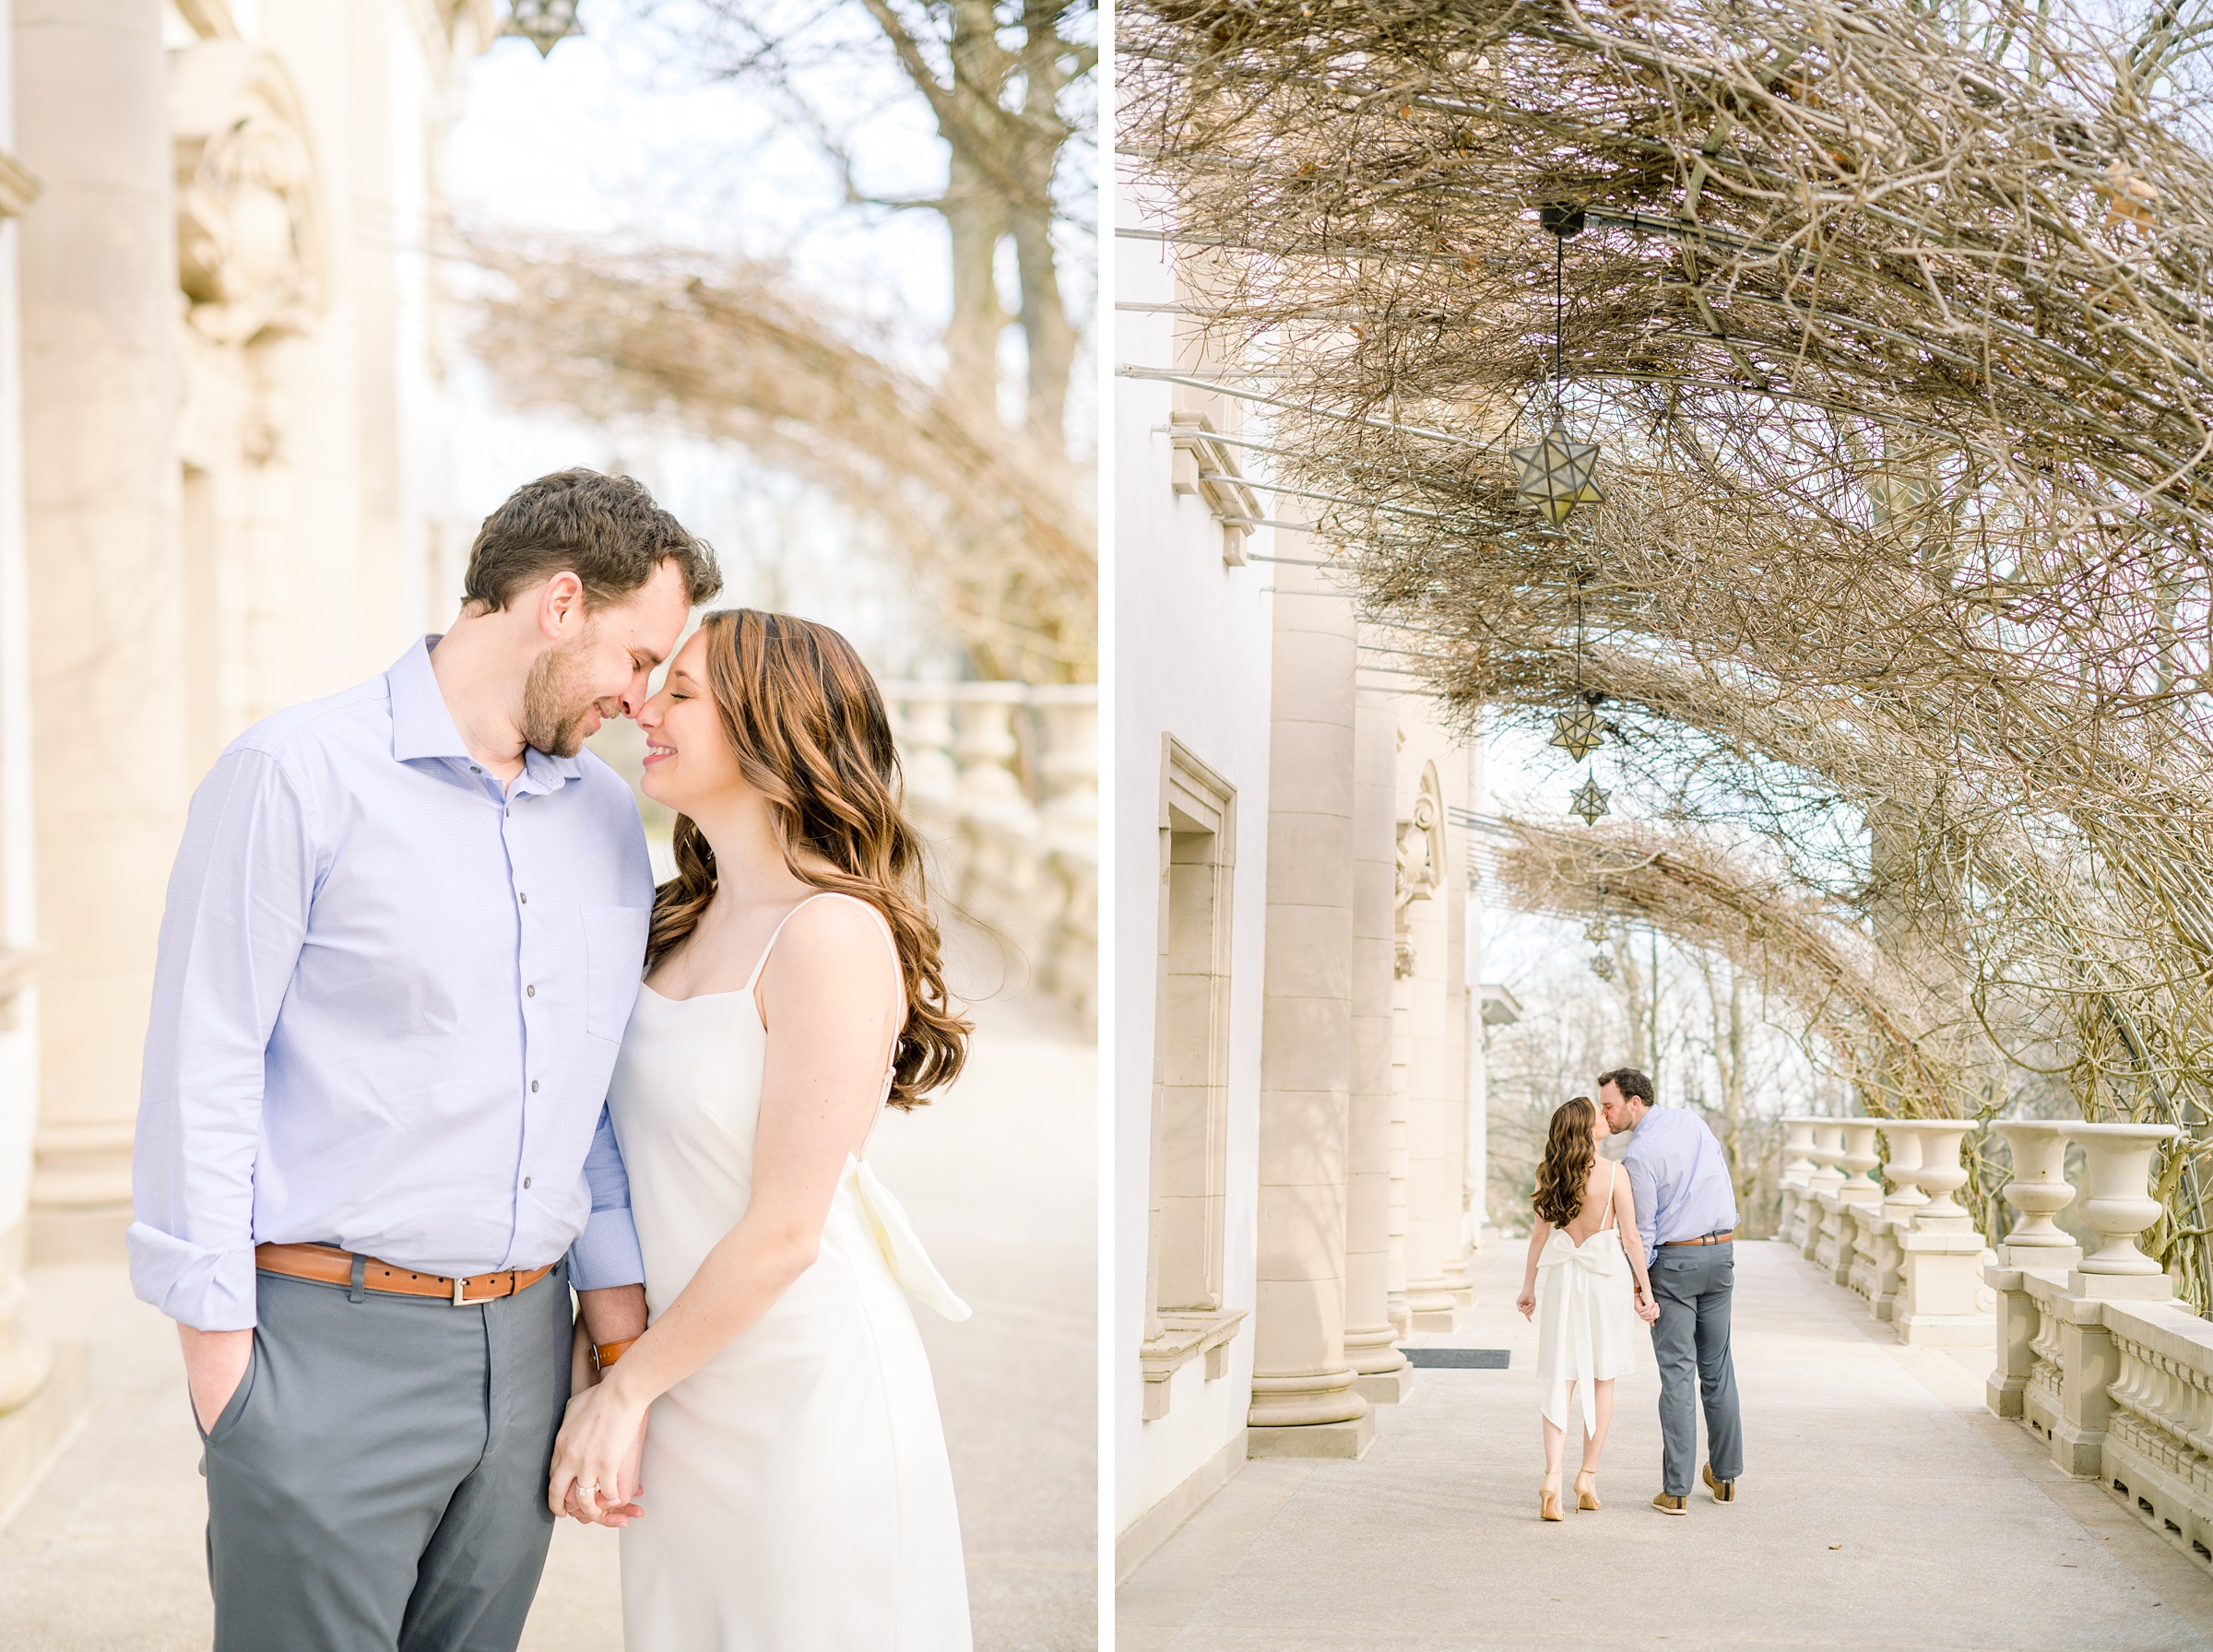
555, 701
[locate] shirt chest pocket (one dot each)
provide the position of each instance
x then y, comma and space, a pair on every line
614, 959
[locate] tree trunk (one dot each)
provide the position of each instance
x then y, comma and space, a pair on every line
976, 218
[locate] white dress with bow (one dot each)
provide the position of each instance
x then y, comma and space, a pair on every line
797, 1492
1586, 1316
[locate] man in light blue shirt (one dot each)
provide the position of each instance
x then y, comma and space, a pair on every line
403, 935
1686, 1217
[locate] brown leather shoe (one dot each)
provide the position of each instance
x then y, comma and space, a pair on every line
1668, 1505
1724, 1490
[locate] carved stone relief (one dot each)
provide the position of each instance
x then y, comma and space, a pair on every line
249, 246
1421, 869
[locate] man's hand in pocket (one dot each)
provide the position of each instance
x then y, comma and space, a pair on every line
215, 1364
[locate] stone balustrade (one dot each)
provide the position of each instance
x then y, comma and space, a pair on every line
1797, 1166
1909, 1249
2094, 1356
1002, 781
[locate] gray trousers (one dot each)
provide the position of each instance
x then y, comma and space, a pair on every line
378, 1482
1691, 1283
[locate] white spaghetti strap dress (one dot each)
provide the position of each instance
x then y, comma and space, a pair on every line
1586, 1316
797, 1492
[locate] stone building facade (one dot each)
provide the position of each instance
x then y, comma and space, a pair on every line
1298, 1100
221, 493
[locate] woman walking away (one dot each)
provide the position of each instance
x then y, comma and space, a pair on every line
1583, 1250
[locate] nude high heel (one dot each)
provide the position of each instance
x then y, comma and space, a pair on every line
1586, 1490
1548, 1498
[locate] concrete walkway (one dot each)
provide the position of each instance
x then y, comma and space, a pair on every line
1881, 1507
1000, 1177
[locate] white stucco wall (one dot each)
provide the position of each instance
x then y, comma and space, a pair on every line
1191, 659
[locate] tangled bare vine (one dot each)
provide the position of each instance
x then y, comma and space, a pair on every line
1893, 324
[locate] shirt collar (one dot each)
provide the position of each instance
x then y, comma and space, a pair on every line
422, 726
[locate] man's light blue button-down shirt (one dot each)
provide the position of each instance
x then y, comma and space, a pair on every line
1678, 1178
386, 1005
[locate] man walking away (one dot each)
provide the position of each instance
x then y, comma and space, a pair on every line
1686, 1217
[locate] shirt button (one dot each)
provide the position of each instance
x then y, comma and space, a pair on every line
529, 992
474, 770
533, 1087
525, 899
526, 1181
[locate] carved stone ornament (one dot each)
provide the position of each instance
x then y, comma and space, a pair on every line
250, 253
1422, 842
1421, 868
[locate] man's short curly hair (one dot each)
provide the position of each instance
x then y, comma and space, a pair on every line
606, 530
1633, 1085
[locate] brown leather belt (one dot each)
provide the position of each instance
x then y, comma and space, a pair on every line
1708, 1239
328, 1264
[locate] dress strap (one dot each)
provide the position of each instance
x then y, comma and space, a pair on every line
760, 962
1612, 1170
882, 929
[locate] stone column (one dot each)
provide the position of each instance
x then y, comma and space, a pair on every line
101, 325
1453, 898
1402, 1107
1430, 1209
1304, 1400
24, 1358
1369, 1337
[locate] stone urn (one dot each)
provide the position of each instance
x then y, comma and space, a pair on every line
1828, 1150
1797, 1148
1902, 1165
2038, 1189
2117, 1197
1941, 1173
1858, 1157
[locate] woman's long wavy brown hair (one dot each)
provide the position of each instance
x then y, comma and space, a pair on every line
809, 728
1569, 1153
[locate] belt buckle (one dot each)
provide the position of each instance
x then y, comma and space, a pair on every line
460, 1286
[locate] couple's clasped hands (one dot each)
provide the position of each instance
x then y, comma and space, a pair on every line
1647, 1309
596, 1458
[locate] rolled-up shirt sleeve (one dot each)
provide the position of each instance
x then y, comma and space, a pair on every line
606, 1254
1645, 1193
237, 914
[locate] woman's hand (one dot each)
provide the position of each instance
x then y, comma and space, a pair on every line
1647, 1309
597, 1456
1527, 1301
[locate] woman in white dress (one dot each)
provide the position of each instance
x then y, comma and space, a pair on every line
793, 1494
1583, 1249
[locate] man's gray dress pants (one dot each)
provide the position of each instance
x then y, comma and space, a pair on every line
378, 1481
1691, 1283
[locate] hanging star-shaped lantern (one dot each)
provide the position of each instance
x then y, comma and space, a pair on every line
1602, 966
1556, 474
1576, 731
1589, 801
544, 23
1595, 932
